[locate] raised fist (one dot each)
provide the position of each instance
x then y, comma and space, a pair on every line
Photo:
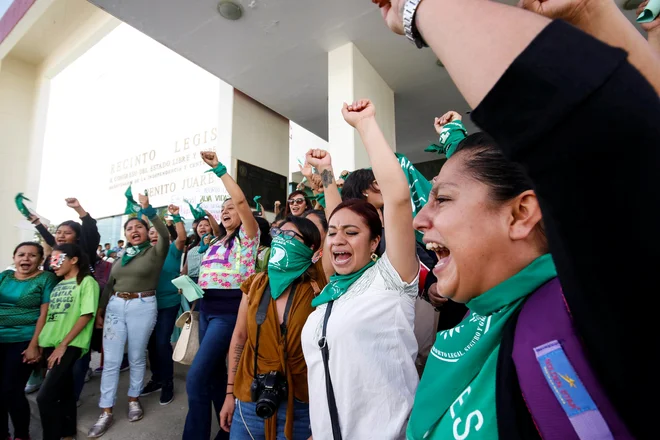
358, 111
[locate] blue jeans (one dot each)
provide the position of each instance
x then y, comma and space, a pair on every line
206, 380
132, 320
160, 347
247, 425
80, 368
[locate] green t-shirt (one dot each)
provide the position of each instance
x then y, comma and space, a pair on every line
167, 295
68, 302
20, 304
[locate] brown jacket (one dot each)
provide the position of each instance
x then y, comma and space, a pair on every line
272, 345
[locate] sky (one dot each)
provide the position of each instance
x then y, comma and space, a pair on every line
4, 5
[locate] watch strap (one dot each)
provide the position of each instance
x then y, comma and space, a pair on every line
409, 26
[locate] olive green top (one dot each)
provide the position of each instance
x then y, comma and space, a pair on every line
142, 272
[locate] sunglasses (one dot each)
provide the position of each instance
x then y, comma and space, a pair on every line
298, 201
287, 235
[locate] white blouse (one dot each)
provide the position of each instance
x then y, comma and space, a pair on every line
372, 357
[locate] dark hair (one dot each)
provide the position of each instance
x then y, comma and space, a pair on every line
145, 224
357, 183
73, 250
108, 244
365, 210
320, 214
310, 233
486, 163
40, 248
229, 241
287, 208
120, 241
75, 226
264, 239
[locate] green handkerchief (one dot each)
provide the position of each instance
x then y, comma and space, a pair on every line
650, 12
189, 288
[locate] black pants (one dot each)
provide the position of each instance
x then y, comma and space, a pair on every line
14, 375
57, 397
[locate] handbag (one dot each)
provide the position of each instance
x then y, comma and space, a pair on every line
188, 343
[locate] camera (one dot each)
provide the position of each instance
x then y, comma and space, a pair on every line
268, 391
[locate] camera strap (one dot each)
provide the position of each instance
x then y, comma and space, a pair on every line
325, 354
262, 313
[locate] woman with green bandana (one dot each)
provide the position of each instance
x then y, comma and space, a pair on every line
129, 306
205, 227
364, 317
228, 262
290, 283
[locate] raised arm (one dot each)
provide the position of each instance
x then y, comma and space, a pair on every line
91, 238
604, 20
43, 231
238, 340
163, 244
180, 241
214, 224
235, 192
399, 232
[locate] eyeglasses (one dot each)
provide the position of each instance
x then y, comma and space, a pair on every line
287, 235
298, 201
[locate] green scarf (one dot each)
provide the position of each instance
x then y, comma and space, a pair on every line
133, 251
288, 260
418, 185
257, 206
338, 285
320, 198
20, 204
220, 170
649, 13
132, 207
459, 377
203, 247
450, 136
197, 213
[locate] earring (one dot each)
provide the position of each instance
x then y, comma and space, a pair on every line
366, 195
374, 257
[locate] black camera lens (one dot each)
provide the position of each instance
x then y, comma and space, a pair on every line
266, 408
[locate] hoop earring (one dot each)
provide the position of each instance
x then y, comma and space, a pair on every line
374, 257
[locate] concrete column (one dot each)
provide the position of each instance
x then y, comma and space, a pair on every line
351, 77
260, 137
18, 92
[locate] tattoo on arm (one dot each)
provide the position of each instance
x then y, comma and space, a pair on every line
327, 177
238, 351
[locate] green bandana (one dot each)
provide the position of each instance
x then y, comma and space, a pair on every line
450, 136
338, 285
20, 204
197, 213
288, 260
219, 171
133, 251
320, 198
256, 202
418, 185
132, 207
649, 13
203, 247
456, 396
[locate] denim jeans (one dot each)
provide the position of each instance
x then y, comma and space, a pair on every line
247, 425
14, 374
132, 320
57, 397
206, 381
79, 372
160, 347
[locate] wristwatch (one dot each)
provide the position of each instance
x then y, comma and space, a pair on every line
409, 26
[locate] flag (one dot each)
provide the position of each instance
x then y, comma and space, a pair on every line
419, 187
197, 212
132, 207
